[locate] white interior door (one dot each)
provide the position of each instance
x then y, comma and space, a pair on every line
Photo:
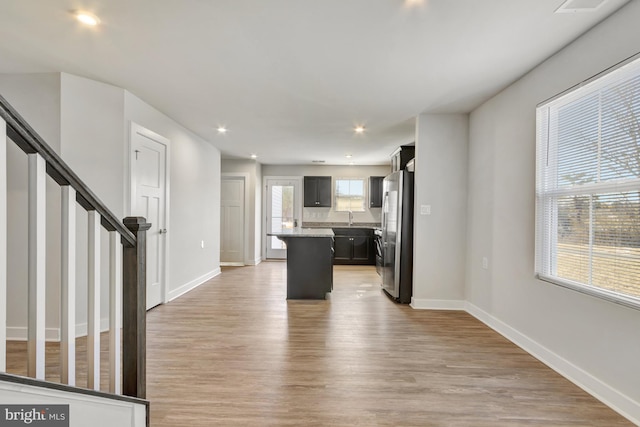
232, 220
148, 199
283, 212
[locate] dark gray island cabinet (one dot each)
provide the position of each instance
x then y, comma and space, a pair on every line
309, 262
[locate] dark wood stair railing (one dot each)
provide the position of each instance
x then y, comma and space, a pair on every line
133, 237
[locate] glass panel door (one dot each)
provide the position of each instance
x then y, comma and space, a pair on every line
283, 213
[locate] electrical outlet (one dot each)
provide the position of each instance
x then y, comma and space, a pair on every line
485, 263
425, 209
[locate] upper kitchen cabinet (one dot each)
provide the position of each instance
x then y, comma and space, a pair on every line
317, 191
401, 157
375, 191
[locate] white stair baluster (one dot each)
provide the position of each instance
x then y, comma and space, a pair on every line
93, 306
3, 246
115, 311
68, 287
37, 267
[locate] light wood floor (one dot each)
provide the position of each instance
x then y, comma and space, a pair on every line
234, 352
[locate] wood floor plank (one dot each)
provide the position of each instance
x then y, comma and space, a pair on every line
235, 352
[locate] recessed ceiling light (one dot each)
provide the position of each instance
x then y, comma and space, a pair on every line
254, 156
576, 6
348, 156
351, 163
86, 18
222, 129
359, 129
317, 161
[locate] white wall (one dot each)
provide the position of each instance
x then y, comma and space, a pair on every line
36, 97
441, 183
194, 198
370, 215
594, 342
91, 129
92, 126
87, 123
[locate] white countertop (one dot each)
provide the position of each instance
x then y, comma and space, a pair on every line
304, 232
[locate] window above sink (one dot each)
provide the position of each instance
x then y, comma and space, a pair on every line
350, 195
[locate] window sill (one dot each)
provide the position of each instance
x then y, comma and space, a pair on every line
617, 298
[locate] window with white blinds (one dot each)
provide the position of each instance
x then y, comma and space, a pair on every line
588, 187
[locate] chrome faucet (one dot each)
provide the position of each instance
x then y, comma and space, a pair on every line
350, 218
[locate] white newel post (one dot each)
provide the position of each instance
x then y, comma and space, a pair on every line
68, 287
93, 306
37, 266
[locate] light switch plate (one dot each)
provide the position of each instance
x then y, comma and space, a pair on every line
425, 209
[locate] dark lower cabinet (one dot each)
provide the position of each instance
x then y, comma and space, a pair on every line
342, 248
362, 249
353, 246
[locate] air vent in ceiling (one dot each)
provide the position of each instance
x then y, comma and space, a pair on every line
317, 161
577, 6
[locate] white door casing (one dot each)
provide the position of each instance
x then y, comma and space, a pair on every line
149, 193
232, 220
279, 216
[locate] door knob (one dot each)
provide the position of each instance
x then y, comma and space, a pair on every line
163, 231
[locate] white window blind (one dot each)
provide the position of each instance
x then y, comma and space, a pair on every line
588, 187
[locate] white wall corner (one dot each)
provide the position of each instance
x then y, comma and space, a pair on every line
611, 397
437, 304
193, 284
81, 328
255, 261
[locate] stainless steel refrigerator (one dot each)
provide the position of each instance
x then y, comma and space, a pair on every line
397, 235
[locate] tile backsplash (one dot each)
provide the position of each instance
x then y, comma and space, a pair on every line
329, 215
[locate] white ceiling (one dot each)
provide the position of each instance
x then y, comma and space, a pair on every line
291, 78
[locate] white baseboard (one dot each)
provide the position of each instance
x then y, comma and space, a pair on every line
437, 304
19, 333
192, 284
232, 264
81, 328
592, 385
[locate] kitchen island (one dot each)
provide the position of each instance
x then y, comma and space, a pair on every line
309, 262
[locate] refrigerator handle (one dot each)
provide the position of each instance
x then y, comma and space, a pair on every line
385, 208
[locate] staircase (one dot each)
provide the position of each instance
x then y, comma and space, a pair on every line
127, 290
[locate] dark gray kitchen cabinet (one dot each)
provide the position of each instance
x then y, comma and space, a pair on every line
309, 267
353, 246
375, 191
317, 191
